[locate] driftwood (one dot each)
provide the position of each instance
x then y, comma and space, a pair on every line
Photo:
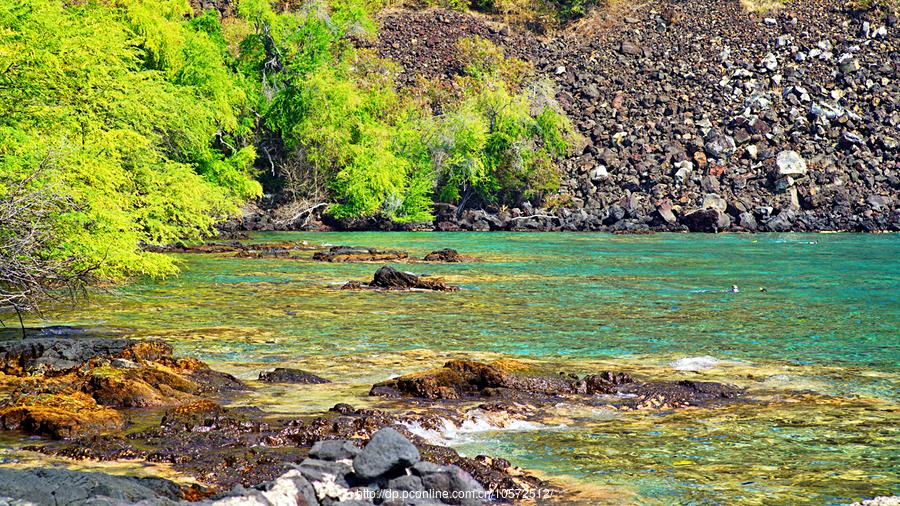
27, 276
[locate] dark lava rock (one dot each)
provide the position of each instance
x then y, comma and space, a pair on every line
388, 278
334, 449
48, 486
460, 379
453, 479
350, 254
240, 249
386, 452
467, 379
448, 255
287, 375
707, 220
50, 355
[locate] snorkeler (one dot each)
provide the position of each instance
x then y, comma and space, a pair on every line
734, 289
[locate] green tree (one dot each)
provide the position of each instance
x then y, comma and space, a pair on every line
141, 116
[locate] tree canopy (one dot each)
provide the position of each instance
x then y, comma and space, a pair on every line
140, 122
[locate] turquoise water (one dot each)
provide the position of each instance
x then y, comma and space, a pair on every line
820, 347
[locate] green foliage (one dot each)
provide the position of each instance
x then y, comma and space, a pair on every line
372, 152
337, 110
501, 140
143, 119
139, 113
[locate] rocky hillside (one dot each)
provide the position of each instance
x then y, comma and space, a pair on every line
697, 115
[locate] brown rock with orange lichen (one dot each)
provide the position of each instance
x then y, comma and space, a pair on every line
139, 388
58, 415
91, 375
147, 351
185, 364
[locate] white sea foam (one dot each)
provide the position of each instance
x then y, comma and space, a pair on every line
700, 363
475, 423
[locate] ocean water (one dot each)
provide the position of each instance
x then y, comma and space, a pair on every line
818, 349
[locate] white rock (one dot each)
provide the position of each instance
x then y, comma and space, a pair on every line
790, 163
599, 174
713, 201
753, 151
683, 170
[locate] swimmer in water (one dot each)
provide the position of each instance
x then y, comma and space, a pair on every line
763, 289
734, 289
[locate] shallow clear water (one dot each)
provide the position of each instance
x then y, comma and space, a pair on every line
821, 347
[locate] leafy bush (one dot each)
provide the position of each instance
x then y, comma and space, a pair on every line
500, 142
139, 114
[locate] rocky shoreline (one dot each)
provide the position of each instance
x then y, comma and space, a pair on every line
73, 388
696, 116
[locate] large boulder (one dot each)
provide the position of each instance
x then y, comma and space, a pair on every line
707, 220
386, 452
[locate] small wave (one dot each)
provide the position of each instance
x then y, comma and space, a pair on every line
476, 422
700, 363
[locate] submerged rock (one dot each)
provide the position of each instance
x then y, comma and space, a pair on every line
240, 249
350, 254
388, 278
287, 375
448, 255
